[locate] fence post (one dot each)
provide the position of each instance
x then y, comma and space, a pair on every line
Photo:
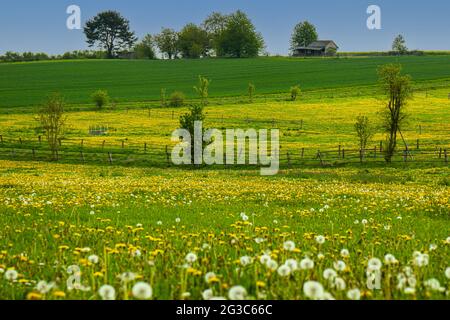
82, 156
303, 152
82, 143
405, 155
339, 152
418, 144
167, 155
145, 147
381, 146
375, 152
301, 124
103, 144
20, 140
110, 157
343, 153
446, 156
440, 153
34, 153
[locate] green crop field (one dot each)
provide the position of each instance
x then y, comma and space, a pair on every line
25, 84
112, 218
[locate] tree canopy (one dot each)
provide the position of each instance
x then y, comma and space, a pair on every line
110, 31
304, 34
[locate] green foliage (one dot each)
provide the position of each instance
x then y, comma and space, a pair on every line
193, 41
304, 34
146, 48
295, 92
215, 24
167, 42
364, 131
399, 45
163, 98
187, 122
202, 89
177, 99
52, 120
110, 31
100, 98
251, 91
240, 38
398, 90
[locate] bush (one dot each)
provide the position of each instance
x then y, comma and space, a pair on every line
177, 99
295, 92
100, 98
251, 91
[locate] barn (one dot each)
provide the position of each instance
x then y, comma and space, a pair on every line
317, 48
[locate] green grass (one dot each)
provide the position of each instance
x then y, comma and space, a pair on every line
25, 84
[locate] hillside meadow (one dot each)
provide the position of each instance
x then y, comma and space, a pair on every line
127, 230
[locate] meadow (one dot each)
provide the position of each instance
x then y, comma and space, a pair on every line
139, 230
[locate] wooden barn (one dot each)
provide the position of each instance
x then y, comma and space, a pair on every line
317, 48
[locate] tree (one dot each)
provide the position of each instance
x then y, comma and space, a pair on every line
251, 91
364, 132
193, 41
295, 92
215, 24
397, 88
110, 31
304, 34
399, 45
187, 122
100, 98
146, 48
167, 42
240, 38
202, 89
52, 119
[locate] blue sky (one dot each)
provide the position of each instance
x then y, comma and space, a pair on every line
41, 25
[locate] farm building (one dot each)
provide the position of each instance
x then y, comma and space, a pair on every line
317, 48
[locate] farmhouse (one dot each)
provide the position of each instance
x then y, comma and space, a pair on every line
317, 48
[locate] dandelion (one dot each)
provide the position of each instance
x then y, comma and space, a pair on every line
320, 239
420, 260
374, 264
107, 292
313, 290
272, 265
284, 271
177, 220
142, 291
354, 294
207, 294
185, 295
245, 260
93, 259
434, 285
339, 284
159, 223
292, 264
390, 259
306, 264
237, 293
11, 275
364, 221
43, 287
329, 274
136, 253
264, 259
210, 276
339, 265
447, 273
191, 257
409, 291
289, 246
127, 276
92, 212
345, 253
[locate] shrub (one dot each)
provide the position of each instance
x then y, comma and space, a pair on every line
100, 98
251, 91
177, 99
295, 92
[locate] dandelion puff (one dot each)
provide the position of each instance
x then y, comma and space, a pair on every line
11, 275
107, 292
292, 264
306, 264
142, 291
339, 265
207, 294
127, 276
320, 239
284, 271
339, 283
354, 294
237, 293
264, 259
390, 259
345, 253
272, 265
289, 246
44, 287
93, 259
177, 220
447, 273
209, 276
136, 253
191, 257
313, 290
329, 274
245, 261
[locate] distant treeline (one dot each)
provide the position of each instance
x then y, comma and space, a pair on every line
392, 53
30, 56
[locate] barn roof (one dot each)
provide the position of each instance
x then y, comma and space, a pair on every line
318, 45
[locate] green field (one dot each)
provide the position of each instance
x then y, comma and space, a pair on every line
25, 84
70, 228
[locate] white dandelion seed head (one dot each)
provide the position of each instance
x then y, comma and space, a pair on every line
284, 271
237, 293
345, 253
409, 291
390, 259
107, 292
11, 275
142, 291
209, 276
329, 274
93, 259
44, 287
191, 257
292, 264
289, 246
272, 265
339, 265
313, 290
320, 239
354, 294
374, 264
245, 260
177, 220
127, 276
339, 284
264, 259
447, 273
207, 294
306, 264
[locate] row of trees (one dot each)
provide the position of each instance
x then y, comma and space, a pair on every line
10, 56
220, 35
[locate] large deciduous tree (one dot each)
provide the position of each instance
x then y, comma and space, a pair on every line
193, 41
145, 49
215, 24
240, 38
304, 34
167, 42
110, 31
399, 45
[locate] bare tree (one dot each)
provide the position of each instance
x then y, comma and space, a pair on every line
397, 88
52, 119
364, 132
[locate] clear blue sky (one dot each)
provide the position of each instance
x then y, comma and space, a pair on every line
41, 25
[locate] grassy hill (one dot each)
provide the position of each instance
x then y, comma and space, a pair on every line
25, 84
